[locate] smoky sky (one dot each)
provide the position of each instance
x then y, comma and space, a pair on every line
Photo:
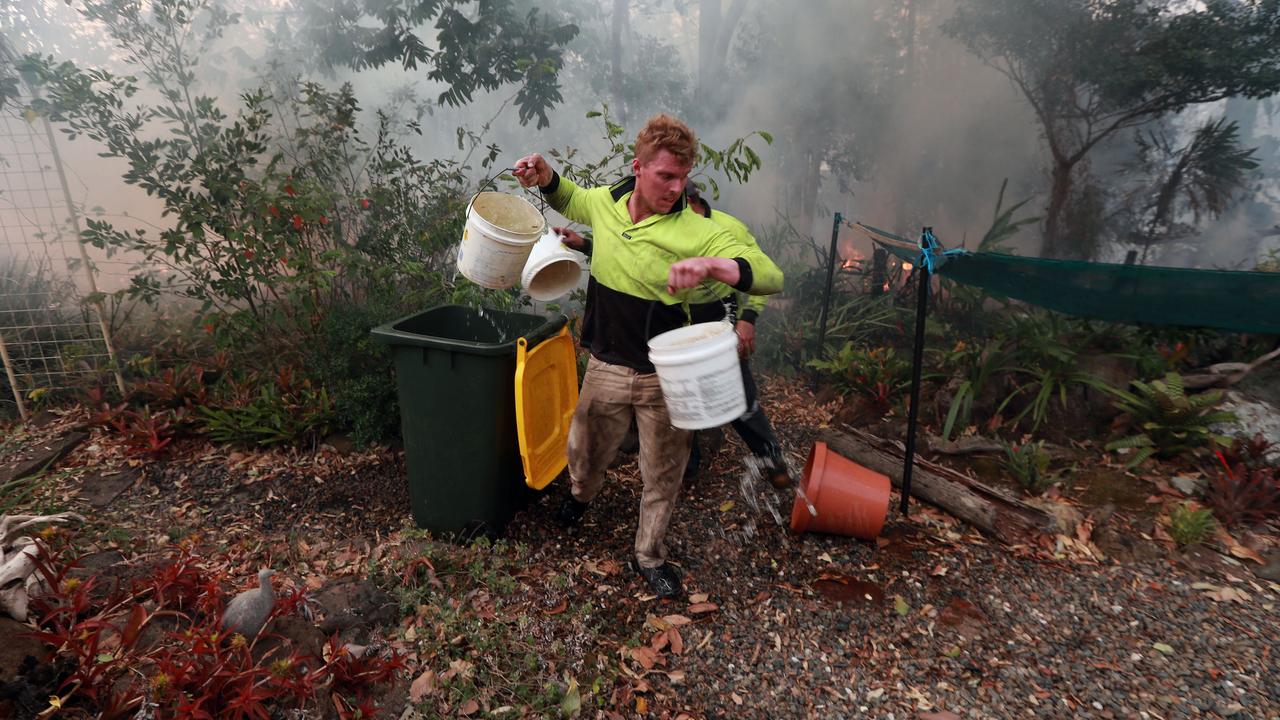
912, 128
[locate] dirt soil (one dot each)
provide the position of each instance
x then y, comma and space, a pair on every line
932, 620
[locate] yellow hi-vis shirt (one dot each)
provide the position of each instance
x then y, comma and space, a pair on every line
627, 298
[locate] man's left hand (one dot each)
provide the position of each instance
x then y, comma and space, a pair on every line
692, 271
746, 338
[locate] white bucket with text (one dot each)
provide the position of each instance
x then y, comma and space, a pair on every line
700, 374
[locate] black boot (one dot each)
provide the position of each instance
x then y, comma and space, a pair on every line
570, 512
663, 580
695, 459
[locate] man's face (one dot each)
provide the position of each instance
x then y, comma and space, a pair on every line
660, 180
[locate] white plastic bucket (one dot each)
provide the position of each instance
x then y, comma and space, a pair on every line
501, 230
552, 269
700, 374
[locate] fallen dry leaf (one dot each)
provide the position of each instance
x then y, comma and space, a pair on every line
676, 676
677, 642
644, 656
703, 607
1245, 553
424, 685
469, 707
698, 597
660, 642
676, 620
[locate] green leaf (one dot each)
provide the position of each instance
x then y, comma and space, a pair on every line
953, 652
900, 606
104, 657
571, 703
1163, 648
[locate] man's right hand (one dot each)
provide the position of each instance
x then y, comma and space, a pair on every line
533, 170
571, 239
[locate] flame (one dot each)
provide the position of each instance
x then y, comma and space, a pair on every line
906, 267
852, 261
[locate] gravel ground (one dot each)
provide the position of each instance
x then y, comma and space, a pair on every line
930, 621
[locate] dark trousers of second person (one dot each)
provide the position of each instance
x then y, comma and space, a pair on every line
753, 427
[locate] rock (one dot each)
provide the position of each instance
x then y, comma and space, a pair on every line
340, 443
1188, 485
1253, 416
33, 459
1124, 548
290, 633
1270, 571
354, 607
100, 490
16, 646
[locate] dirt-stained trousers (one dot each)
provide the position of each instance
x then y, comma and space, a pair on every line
610, 396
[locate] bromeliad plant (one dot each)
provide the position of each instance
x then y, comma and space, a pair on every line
875, 373
1190, 525
1246, 488
156, 648
1028, 463
283, 409
1169, 422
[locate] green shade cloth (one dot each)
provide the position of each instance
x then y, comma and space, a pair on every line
1223, 299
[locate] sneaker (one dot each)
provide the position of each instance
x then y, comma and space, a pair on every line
570, 512
663, 580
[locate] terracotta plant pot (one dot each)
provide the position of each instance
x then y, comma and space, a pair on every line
849, 499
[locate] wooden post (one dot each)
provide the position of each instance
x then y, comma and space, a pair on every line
13, 380
84, 259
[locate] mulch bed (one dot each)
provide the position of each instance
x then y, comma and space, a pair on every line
930, 621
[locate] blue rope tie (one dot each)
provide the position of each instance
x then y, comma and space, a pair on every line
932, 256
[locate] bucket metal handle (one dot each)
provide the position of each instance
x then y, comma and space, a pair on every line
491, 181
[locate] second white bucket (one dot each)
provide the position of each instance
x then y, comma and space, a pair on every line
501, 230
552, 269
700, 374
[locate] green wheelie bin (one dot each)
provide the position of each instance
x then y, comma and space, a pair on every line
455, 376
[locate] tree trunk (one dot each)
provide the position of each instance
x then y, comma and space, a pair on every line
911, 42
621, 15
992, 511
708, 35
1059, 193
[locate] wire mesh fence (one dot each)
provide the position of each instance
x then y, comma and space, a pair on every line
50, 334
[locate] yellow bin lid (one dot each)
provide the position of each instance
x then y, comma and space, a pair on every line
546, 394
